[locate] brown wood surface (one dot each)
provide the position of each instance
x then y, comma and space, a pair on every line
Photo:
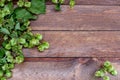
89, 2
79, 44
80, 41
92, 2
80, 18
74, 69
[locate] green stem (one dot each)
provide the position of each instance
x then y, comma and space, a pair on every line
58, 7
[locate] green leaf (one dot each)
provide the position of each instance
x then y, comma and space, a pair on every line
2, 52
4, 43
23, 14
58, 7
17, 26
10, 6
37, 7
2, 61
23, 28
11, 22
14, 34
4, 30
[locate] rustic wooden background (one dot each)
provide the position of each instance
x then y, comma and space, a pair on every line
81, 39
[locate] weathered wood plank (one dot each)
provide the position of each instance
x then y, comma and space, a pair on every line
62, 70
89, 2
80, 18
79, 44
92, 2
96, 2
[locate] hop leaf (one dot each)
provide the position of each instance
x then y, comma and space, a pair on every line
37, 7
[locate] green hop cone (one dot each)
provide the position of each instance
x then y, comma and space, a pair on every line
26, 45
9, 0
8, 53
114, 72
34, 42
19, 59
30, 34
1, 4
19, 52
22, 40
45, 45
103, 69
41, 48
5, 67
3, 14
13, 42
55, 1
106, 78
5, 37
38, 36
27, 23
8, 74
61, 1
72, 3
30, 45
3, 78
11, 66
107, 64
20, 47
6, 11
27, 4
8, 46
20, 3
10, 59
38, 42
1, 73
110, 68
99, 74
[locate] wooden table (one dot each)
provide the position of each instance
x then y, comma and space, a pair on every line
81, 39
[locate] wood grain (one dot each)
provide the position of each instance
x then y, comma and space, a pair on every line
80, 18
92, 2
86, 31
79, 44
95, 2
43, 59
89, 2
62, 70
